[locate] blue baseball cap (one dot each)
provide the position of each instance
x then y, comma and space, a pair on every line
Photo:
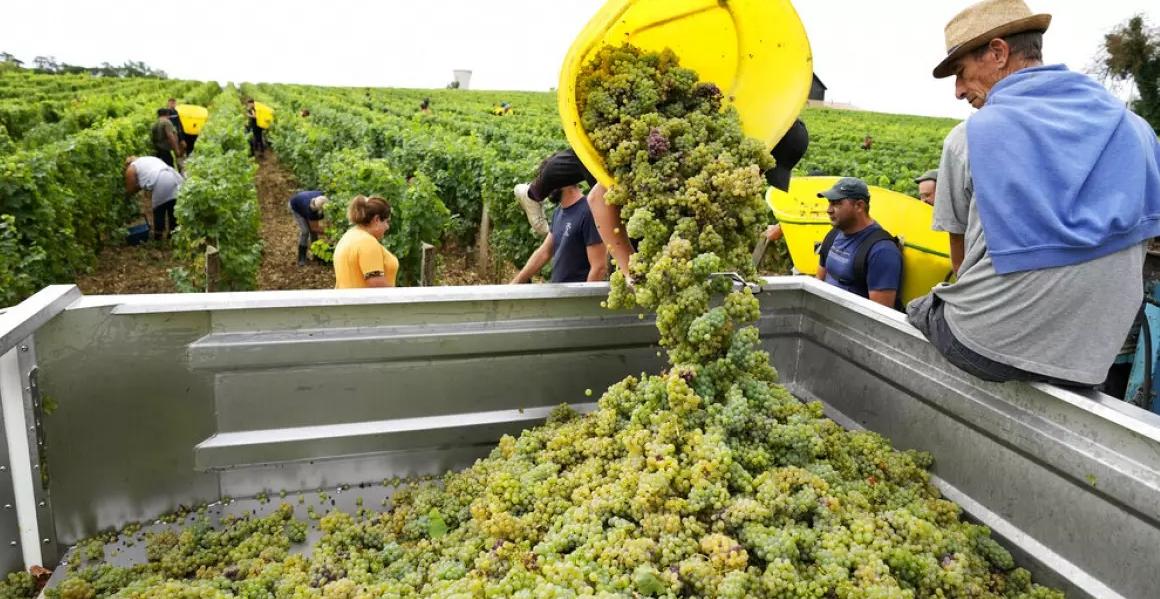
847, 188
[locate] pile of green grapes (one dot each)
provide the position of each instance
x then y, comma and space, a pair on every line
708, 479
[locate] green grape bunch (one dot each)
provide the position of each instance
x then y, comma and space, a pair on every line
688, 183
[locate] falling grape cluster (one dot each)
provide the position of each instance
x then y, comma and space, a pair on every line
706, 480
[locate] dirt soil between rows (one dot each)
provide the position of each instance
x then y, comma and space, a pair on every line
122, 269
280, 268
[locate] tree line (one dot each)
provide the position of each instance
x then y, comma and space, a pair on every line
51, 66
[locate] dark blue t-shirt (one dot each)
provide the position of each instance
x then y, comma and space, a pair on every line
883, 264
300, 204
573, 230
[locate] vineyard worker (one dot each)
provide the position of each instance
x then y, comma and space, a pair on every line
559, 170
927, 186
306, 207
257, 141
787, 153
859, 256
573, 244
187, 140
165, 142
1053, 189
171, 106
360, 260
151, 174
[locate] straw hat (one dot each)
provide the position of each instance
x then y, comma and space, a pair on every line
982, 22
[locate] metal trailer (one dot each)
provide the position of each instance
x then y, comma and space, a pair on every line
170, 400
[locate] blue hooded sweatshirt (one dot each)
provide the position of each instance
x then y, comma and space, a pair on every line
1063, 172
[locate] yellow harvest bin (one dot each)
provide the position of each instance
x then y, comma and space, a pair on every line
192, 117
264, 114
926, 259
756, 51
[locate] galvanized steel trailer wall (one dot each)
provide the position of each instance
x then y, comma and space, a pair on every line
171, 400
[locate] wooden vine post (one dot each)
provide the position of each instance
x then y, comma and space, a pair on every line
213, 268
427, 265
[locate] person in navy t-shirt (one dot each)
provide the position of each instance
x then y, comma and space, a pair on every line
849, 212
306, 207
573, 243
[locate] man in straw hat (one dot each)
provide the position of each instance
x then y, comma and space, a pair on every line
1049, 193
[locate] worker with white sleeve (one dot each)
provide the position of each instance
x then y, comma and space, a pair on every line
153, 175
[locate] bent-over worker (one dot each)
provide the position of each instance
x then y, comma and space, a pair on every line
151, 174
306, 207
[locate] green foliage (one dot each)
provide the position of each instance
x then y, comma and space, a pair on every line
421, 217
16, 264
34, 118
64, 192
904, 146
218, 203
417, 213
1131, 52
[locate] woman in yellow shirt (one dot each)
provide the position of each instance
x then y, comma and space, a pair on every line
360, 260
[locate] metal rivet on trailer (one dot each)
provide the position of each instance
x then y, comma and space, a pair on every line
41, 504
12, 543
7, 506
24, 348
46, 541
3, 468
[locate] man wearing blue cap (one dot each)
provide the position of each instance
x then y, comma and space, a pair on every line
859, 255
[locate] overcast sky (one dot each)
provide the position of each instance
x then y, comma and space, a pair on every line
875, 54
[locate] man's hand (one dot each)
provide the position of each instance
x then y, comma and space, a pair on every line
774, 233
597, 262
536, 262
378, 282
958, 251
885, 298
611, 228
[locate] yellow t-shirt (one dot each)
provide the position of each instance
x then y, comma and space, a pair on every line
359, 255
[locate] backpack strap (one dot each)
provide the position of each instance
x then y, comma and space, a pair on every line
823, 250
862, 257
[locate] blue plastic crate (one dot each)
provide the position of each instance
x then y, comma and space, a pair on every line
138, 234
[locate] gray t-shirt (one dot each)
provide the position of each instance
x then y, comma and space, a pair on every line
1066, 323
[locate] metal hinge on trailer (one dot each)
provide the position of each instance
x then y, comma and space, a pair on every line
738, 281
